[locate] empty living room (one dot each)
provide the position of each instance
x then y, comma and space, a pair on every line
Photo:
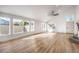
39, 28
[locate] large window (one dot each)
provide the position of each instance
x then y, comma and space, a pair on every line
26, 26
21, 26
32, 26
4, 26
51, 27
17, 26
44, 26
12, 25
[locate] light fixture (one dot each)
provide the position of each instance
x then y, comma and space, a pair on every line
54, 12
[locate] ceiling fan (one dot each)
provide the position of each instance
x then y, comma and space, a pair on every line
54, 12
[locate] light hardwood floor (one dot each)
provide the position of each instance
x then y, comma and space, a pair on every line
41, 43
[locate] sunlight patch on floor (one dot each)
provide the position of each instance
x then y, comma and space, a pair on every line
44, 35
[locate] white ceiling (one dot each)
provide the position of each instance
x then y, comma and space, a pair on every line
38, 12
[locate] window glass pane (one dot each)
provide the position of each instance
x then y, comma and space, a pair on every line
27, 26
4, 25
49, 28
32, 25
44, 26
17, 26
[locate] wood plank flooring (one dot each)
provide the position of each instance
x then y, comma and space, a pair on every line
41, 43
